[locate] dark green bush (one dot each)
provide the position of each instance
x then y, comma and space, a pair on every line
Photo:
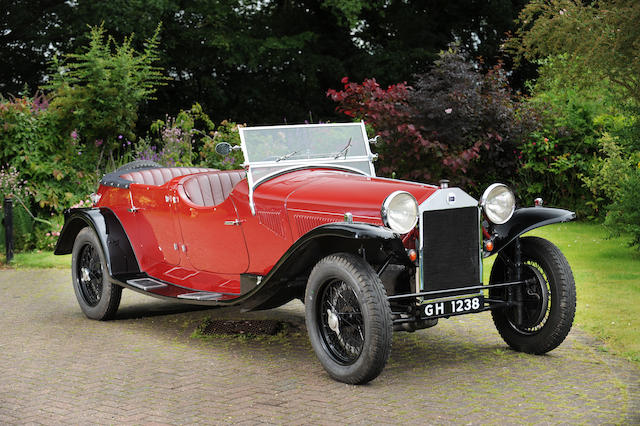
623, 215
557, 159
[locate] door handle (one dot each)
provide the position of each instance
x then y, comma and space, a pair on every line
233, 222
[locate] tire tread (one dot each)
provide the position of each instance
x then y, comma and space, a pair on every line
375, 298
544, 341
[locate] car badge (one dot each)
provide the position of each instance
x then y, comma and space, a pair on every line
451, 198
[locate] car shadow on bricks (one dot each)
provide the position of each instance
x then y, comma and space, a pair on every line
156, 308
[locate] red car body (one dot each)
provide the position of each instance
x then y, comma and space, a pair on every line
307, 218
178, 241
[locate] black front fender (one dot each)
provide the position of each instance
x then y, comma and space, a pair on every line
277, 287
526, 219
116, 246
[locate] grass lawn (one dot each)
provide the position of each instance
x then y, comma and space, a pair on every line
34, 259
607, 275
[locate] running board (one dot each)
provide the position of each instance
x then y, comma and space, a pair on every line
146, 284
201, 295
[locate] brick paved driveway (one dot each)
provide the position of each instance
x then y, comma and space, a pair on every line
59, 367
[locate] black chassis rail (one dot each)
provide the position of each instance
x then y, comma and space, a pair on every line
489, 304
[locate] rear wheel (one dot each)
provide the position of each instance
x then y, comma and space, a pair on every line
348, 318
97, 297
548, 301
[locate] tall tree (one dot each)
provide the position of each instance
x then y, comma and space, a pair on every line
30, 32
259, 61
601, 37
401, 38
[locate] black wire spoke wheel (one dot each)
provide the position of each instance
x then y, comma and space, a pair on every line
548, 300
89, 275
97, 296
535, 301
341, 322
348, 318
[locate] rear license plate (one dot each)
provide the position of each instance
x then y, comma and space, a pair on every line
453, 307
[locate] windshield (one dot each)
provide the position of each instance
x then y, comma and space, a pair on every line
270, 150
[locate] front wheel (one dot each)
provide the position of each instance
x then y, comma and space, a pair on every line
348, 318
548, 301
97, 297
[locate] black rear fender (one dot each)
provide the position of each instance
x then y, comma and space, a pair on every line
526, 219
116, 246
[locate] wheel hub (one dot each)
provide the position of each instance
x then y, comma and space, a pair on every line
332, 320
342, 322
84, 275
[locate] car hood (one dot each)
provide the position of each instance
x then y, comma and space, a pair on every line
321, 191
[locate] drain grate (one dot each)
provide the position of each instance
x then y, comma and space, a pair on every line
253, 327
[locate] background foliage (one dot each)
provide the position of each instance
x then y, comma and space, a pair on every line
554, 115
235, 57
598, 45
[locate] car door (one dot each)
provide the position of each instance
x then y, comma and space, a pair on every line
212, 237
156, 224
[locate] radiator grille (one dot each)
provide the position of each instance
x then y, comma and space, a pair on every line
451, 254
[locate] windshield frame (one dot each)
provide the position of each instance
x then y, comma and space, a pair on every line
284, 165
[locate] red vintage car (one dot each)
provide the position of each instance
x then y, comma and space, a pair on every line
307, 218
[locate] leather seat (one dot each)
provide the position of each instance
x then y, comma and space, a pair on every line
211, 189
161, 175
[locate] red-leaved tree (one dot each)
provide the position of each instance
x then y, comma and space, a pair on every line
403, 152
457, 123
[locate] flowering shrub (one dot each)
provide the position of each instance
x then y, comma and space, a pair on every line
190, 139
51, 164
49, 239
12, 185
176, 139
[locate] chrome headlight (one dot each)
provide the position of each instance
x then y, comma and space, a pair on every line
498, 203
400, 212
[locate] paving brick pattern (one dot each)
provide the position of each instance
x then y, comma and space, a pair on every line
57, 367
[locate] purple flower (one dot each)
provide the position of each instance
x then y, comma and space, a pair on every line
74, 135
119, 136
98, 142
79, 152
128, 142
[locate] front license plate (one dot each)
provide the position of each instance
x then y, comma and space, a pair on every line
453, 307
